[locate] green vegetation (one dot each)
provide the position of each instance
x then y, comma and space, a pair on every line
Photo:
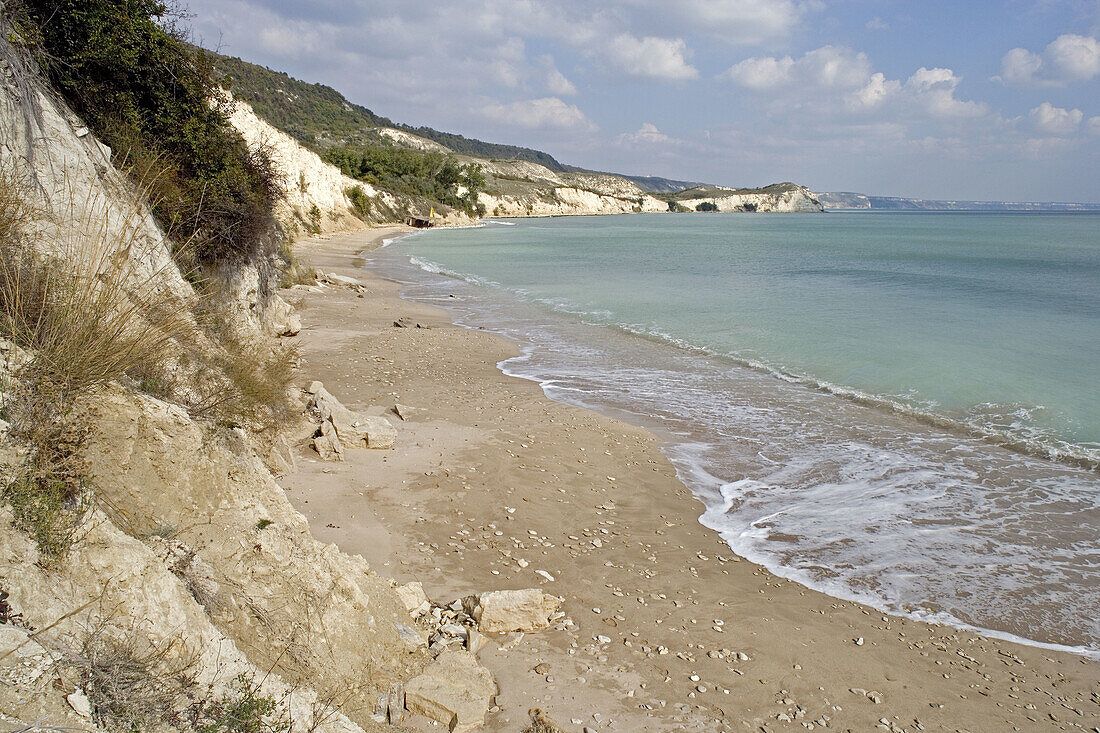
320, 116
430, 175
125, 68
360, 202
707, 206
246, 710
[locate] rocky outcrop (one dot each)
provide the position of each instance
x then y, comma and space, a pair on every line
415, 142
341, 428
133, 600
315, 193
316, 616
777, 198
454, 690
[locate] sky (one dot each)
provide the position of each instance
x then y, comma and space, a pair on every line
970, 99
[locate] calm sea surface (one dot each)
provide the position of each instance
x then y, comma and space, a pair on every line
898, 408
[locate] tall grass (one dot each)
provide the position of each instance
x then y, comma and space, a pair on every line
81, 305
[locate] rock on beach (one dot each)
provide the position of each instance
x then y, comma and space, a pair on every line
512, 610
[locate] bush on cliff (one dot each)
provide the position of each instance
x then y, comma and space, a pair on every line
126, 69
431, 175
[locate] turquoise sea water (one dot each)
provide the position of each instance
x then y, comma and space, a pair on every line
900, 408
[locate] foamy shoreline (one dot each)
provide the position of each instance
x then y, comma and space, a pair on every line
801, 645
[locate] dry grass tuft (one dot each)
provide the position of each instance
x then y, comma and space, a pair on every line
294, 272
79, 314
126, 684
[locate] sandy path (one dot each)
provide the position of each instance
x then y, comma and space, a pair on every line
493, 473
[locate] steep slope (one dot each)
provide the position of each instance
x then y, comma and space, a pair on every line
519, 181
317, 115
188, 585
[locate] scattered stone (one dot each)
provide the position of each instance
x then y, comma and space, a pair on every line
327, 443
541, 668
545, 574
412, 595
543, 722
342, 280
410, 637
454, 690
512, 610
365, 431
352, 429
475, 641
80, 703
291, 326
407, 413
395, 705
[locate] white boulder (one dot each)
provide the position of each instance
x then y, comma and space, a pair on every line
512, 610
454, 690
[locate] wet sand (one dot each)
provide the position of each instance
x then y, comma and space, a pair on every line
491, 482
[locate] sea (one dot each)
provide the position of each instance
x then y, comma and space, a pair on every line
901, 409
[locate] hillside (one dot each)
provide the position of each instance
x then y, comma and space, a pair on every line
778, 197
471, 177
318, 115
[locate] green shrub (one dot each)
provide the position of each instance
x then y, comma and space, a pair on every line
245, 710
360, 202
126, 69
48, 503
707, 206
431, 175
314, 217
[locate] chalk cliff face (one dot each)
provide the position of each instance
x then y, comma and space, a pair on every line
315, 193
307, 181
522, 188
87, 206
190, 551
778, 198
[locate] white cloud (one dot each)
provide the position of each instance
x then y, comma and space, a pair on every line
1068, 58
1093, 125
834, 80
828, 67
877, 24
547, 112
760, 73
743, 22
555, 81
651, 57
1055, 120
647, 134
934, 89
875, 91
1076, 57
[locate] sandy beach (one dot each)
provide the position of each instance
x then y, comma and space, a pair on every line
492, 485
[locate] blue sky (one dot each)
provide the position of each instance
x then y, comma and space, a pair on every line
935, 99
